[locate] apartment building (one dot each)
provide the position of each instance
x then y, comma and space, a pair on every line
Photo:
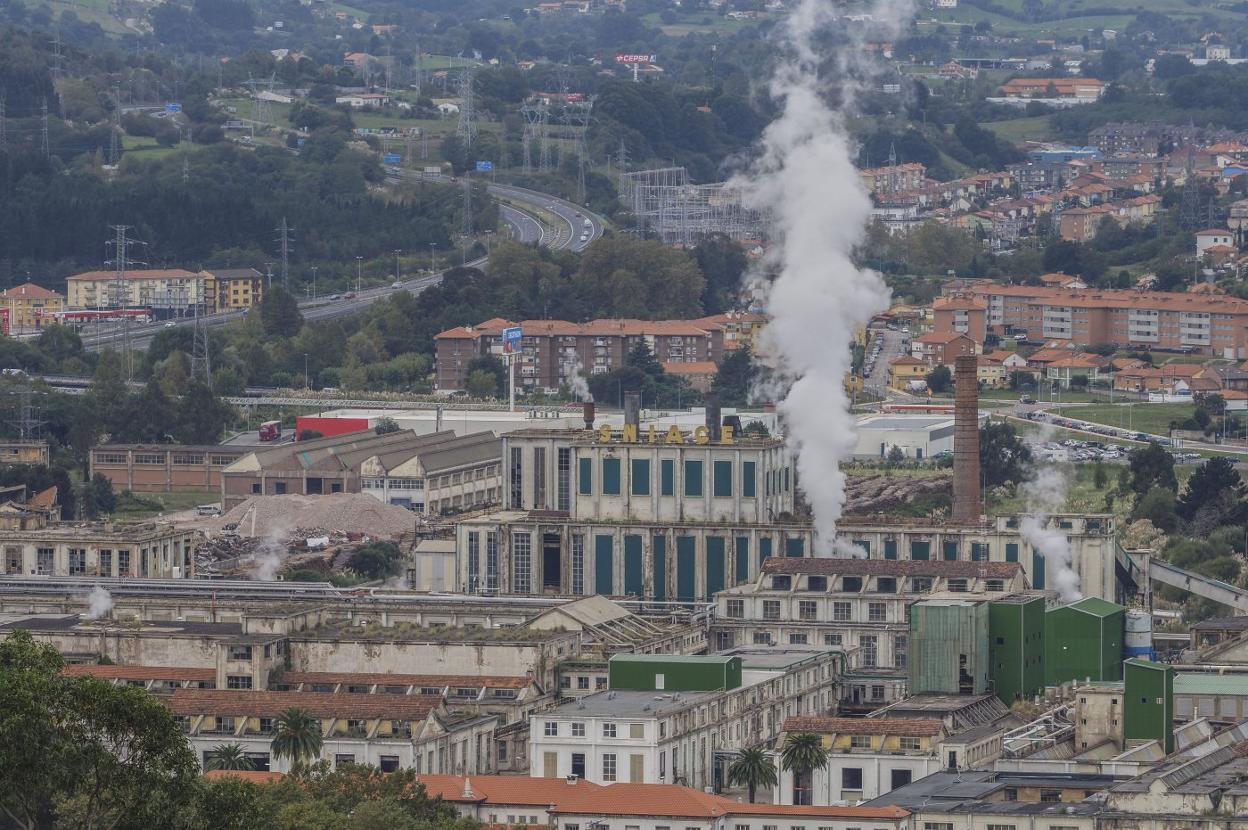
682, 737
664, 513
30, 307
552, 352
149, 549
1197, 323
941, 348
894, 178
961, 315
1083, 89
164, 468
227, 289
169, 290
859, 605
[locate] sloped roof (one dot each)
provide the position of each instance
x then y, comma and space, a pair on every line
179, 673
266, 704
907, 727
891, 567
30, 291
388, 679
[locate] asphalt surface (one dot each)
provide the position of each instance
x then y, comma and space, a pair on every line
890, 349
522, 216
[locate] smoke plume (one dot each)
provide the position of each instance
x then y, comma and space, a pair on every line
805, 182
577, 383
1044, 495
268, 555
100, 603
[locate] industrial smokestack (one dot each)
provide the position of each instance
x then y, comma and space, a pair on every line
712, 416
966, 496
587, 409
632, 409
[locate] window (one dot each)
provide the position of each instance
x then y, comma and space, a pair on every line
611, 476
582, 683
474, 560
957, 585
1000, 827
564, 485
238, 681
748, 477
578, 563
909, 744
578, 729
551, 729
875, 612
806, 609
900, 642
639, 481
491, 560
851, 778
867, 643
771, 609
123, 563
994, 585
781, 583
722, 479
521, 568
832, 639
1051, 796
667, 477
798, 640
515, 495
693, 478
860, 741
389, 763
840, 611
539, 478
608, 766
585, 476
851, 584
13, 560
240, 652
637, 731
578, 764
817, 583
149, 458
937, 825
734, 608
77, 562
608, 730
342, 758
877, 692
762, 638
44, 558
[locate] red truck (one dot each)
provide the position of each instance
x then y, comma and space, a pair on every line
270, 430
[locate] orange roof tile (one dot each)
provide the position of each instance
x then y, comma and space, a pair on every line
252, 776
503, 789
386, 679
673, 800
1214, 232
959, 303
180, 673
698, 367
30, 291
906, 360
909, 727
146, 274
44, 498
258, 704
942, 337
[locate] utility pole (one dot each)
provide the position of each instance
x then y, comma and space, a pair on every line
26, 422
359, 273
285, 240
397, 277
268, 276
43, 138
314, 282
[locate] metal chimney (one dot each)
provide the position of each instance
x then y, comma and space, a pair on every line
966, 495
712, 417
632, 409
587, 409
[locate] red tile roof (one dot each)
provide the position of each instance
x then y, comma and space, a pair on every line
30, 291
891, 567
503, 789
253, 776
906, 360
386, 679
701, 367
147, 274
908, 727
180, 673
942, 337
229, 703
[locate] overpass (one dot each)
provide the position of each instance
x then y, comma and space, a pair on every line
1194, 583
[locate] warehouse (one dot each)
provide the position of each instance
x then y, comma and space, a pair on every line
918, 436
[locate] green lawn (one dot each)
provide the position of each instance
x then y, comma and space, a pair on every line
146, 505
702, 23
1153, 418
1018, 130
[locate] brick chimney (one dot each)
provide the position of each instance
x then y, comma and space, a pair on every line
966, 496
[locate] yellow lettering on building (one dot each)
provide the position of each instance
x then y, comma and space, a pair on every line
652, 436
604, 433
701, 435
725, 434
674, 436
629, 433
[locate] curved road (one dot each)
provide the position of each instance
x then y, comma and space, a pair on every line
525, 223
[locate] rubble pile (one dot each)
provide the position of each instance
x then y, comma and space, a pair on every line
879, 493
339, 516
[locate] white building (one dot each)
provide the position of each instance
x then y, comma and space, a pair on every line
1207, 239
918, 436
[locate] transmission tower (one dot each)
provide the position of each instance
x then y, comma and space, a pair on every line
261, 108
26, 422
120, 291
201, 361
285, 240
43, 138
467, 127
1189, 203
543, 138
532, 129
579, 117
467, 207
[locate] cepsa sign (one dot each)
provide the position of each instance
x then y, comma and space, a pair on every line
622, 58
630, 434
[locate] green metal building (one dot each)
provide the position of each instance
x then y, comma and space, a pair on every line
1016, 647
1083, 641
948, 648
673, 672
1148, 713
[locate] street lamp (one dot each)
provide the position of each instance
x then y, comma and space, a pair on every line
397, 277
432, 266
359, 272
305, 372
314, 282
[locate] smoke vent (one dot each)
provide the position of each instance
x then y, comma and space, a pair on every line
632, 409
587, 409
713, 423
966, 496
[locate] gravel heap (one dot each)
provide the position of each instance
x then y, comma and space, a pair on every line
876, 493
293, 516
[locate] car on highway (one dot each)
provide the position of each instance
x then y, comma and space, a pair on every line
396, 285
1027, 399
350, 295
169, 325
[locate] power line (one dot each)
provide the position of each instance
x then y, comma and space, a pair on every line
467, 127
120, 291
285, 240
201, 359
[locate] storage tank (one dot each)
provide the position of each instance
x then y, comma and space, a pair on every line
1137, 639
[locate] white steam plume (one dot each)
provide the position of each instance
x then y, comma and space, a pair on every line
1045, 494
100, 603
805, 182
577, 383
268, 556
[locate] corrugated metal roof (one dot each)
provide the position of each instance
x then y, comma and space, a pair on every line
1200, 683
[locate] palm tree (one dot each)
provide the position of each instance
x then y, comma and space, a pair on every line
229, 756
754, 769
801, 754
297, 736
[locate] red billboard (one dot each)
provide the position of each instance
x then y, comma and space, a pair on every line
630, 58
327, 426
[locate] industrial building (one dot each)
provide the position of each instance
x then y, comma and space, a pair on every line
685, 737
163, 468
948, 647
143, 549
1084, 641
1016, 646
32, 451
918, 436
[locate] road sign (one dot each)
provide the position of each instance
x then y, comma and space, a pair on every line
393, 158
511, 340
172, 108
485, 167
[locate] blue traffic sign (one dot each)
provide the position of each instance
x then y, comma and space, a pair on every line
393, 158
172, 108
485, 167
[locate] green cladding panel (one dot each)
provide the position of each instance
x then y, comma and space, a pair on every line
585, 476
611, 476
686, 566
742, 558
948, 648
667, 477
639, 478
748, 477
660, 567
604, 556
632, 565
715, 561
1083, 640
1148, 712
673, 673
794, 546
1016, 648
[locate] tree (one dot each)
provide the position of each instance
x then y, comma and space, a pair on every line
229, 756
202, 416
735, 378
896, 455
757, 429
481, 384
496, 369
940, 380
752, 768
297, 736
386, 814
1151, 466
622, 277
79, 752
385, 426
1157, 506
1215, 488
1099, 477
98, 498
377, 560
279, 313
802, 753
722, 262
1002, 454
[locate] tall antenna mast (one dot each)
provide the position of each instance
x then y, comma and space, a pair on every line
467, 127
201, 359
285, 240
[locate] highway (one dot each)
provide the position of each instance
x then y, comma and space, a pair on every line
522, 214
